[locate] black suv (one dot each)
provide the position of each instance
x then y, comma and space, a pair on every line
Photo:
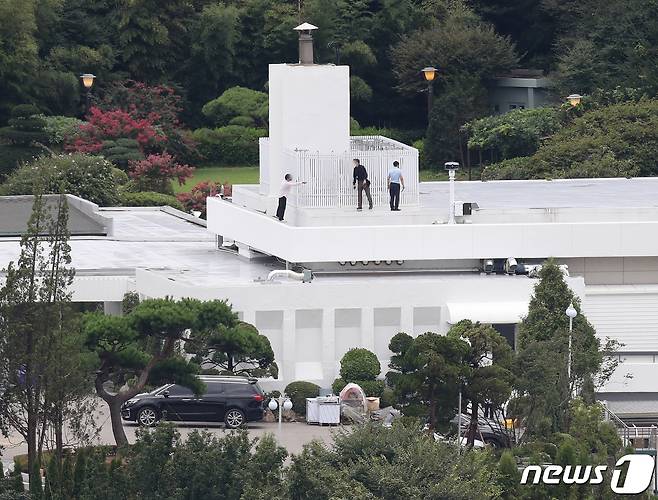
234, 400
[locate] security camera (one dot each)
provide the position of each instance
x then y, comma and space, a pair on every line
510, 265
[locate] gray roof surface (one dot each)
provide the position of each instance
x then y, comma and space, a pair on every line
572, 193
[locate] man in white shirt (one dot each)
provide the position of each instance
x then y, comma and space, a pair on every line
286, 187
395, 180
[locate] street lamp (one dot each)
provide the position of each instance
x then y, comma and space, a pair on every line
88, 82
451, 167
429, 73
574, 99
283, 403
572, 313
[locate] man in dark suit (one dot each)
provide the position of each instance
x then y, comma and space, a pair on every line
361, 182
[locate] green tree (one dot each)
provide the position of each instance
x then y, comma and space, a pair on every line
486, 376
425, 374
238, 102
137, 349
32, 307
541, 367
230, 345
360, 366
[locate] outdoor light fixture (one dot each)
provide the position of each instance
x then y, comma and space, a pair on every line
429, 72
282, 403
488, 266
574, 99
87, 80
571, 313
451, 167
352, 263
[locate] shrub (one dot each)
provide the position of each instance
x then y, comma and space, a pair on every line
25, 126
149, 199
11, 156
155, 173
420, 146
237, 101
230, 145
243, 121
122, 151
196, 198
298, 392
359, 364
59, 129
89, 177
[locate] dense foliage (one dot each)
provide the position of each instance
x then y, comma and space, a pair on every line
89, 177
608, 141
298, 392
360, 366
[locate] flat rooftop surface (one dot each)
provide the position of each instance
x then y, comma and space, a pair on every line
150, 238
564, 193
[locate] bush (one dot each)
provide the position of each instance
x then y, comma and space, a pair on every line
25, 126
122, 151
237, 101
156, 172
89, 177
59, 129
359, 364
230, 145
150, 199
298, 392
11, 156
196, 198
420, 146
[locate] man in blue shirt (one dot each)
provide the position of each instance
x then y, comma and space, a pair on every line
395, 180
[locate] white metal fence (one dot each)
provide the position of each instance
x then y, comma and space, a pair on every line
329, 177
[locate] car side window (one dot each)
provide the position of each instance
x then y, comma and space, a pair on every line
180, 391
214, 388
233, 389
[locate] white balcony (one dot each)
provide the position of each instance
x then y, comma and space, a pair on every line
329, 177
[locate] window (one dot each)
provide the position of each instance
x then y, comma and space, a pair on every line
180, 391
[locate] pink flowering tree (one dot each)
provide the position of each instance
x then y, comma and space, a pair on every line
157, 171
196, 198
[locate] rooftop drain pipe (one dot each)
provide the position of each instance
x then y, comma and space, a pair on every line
305, 43
304, 277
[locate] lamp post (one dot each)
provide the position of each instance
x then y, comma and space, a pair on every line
87, 83
574, 99
451, 167
572, 313
429, 73
283, 403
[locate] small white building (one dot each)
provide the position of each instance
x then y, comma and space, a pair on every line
377, 272
519, 89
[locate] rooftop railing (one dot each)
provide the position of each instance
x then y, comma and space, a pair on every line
329, 177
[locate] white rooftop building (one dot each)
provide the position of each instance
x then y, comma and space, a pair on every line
376, 273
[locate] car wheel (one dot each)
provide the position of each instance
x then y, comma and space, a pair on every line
147, 416
234, 418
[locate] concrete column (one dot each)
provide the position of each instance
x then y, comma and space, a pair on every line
113, 308
531, 98
368, 328
407, 320
329, 344
289, 345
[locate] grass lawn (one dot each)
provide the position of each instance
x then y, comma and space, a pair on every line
234, 175
249, 175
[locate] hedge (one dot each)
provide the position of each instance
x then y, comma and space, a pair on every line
230, 145
89, 177
11, 156
298, 392
374, 388
150, 199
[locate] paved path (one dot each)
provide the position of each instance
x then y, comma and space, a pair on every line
293, 435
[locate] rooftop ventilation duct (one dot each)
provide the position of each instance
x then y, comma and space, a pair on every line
305, 42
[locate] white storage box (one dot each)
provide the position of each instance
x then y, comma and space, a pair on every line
329, 410
312, 411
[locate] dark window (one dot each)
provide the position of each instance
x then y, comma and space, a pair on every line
233, 389
507, 331
214, 388
179, 390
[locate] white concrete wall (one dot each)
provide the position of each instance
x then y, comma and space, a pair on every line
309, 109
429, 242
311, 325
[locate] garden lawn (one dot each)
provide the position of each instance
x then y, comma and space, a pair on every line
233, 175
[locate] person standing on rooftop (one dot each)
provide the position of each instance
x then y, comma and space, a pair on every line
286, 187
360, 176
395, 180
